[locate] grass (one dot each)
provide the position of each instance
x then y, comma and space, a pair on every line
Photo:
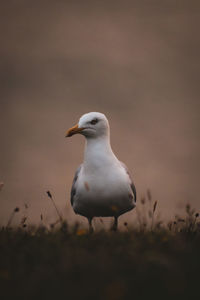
148, 260
72, 264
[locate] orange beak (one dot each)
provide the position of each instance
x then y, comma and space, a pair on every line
75, 129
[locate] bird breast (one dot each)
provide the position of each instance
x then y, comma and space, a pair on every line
104, 183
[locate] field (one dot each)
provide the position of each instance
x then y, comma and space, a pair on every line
66, 262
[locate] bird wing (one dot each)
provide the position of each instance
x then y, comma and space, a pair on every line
73, 189
131, 182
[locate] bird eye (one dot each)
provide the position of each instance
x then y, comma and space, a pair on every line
94, 121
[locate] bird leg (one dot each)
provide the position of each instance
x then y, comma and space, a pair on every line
115, 225
90, 225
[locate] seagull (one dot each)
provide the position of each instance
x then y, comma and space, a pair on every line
102, 186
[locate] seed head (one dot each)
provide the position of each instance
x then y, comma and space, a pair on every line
49, 194
154, 206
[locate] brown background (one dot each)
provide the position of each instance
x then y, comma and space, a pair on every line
135, 61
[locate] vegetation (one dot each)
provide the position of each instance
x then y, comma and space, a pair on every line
66, 262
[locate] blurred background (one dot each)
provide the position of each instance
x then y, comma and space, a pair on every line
136, 61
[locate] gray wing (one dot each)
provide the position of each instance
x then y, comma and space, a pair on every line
73, 189
131, 182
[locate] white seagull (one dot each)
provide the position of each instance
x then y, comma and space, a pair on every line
102, 186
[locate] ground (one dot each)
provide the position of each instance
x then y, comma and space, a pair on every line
70, 263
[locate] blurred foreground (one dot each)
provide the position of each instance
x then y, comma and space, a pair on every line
68, 263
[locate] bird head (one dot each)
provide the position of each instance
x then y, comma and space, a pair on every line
91, 125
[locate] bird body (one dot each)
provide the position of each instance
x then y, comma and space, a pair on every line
102, 185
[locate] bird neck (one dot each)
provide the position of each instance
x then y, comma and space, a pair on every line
98, 152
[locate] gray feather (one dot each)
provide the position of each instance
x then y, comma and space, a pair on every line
131, 182
73, 189
133, 189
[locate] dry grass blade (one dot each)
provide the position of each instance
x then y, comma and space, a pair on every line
12, 216
154, 206
23, 221
51, 197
